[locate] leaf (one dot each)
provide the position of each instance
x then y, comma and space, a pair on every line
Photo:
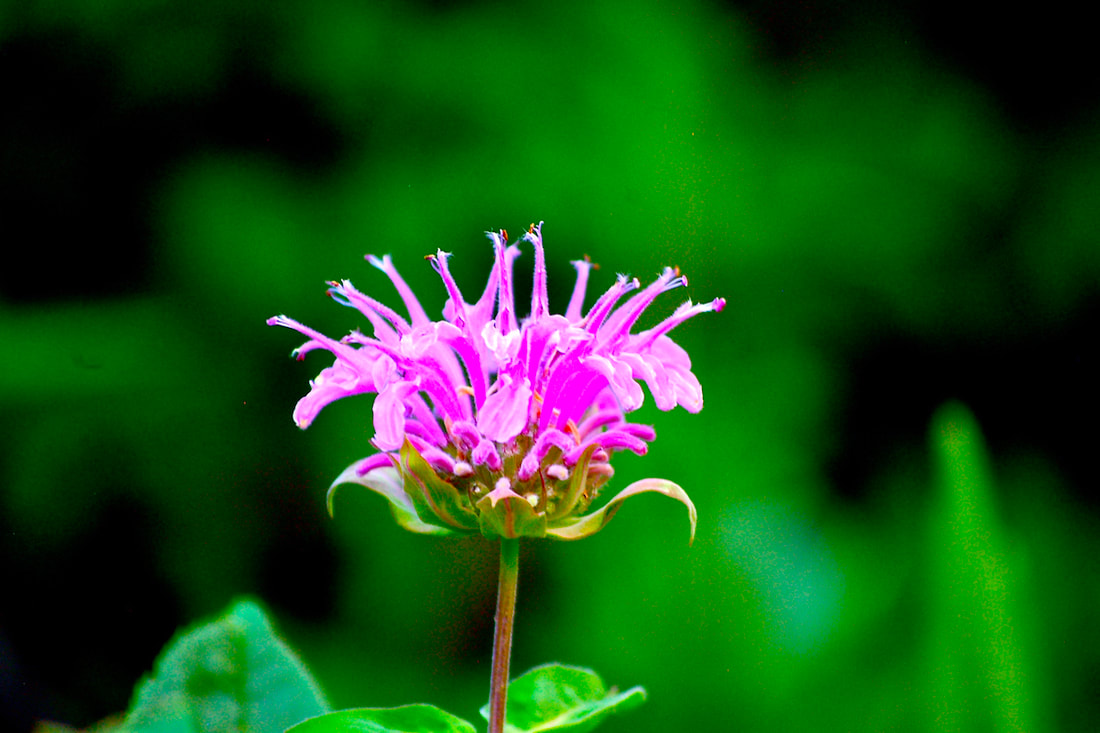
975, 595
556, 697
592, 523
387, 482
404, 719
230, 675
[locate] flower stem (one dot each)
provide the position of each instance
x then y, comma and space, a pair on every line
502, 639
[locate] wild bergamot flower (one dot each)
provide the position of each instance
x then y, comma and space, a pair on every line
490, 423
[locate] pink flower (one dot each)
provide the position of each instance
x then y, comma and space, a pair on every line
494, 424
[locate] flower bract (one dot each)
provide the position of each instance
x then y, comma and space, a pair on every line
488, 422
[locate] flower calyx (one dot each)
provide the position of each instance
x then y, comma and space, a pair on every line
426, 501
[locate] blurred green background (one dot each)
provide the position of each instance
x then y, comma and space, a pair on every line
897, 519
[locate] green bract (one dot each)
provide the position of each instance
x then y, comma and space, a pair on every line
426, 502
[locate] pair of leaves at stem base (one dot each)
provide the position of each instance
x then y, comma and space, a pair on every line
234, 674
424, 502
552, 697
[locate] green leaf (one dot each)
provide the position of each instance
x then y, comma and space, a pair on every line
388, 483
232, 674
592, 523
555, 697
974, 597
405, 719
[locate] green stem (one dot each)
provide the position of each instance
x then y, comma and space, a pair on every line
502, 639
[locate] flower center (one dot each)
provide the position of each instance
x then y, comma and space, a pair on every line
552, 489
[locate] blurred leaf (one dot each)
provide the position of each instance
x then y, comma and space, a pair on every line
556, 697
978, 671
228, 675
404, 719
1057, 241
788, 565
108, 725
112, 349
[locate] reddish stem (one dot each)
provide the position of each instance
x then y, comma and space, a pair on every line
502, 639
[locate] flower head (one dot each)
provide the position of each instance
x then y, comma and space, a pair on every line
488, 422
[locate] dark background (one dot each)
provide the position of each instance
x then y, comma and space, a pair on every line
900, 206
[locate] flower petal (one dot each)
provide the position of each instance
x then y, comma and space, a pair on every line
576, 301
506, 410
389, 414
416, 311
540, 302
333, 383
